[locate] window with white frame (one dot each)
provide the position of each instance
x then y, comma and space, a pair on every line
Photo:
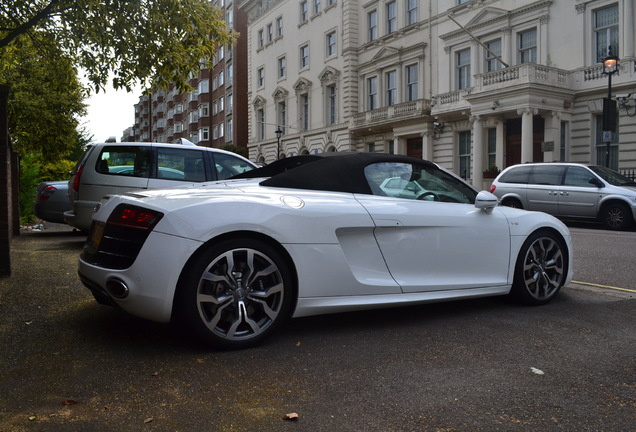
260, 124
317, 7
527, 41
304, 11
215, 132
204, 134
492, 53
304, 111
282, 67
178, 108
221, 52
229, 102
304, 56
464, 153
606, 31
221, 104
372, 93
390, 85
372, 24
331, 2
331, 44
229, 75
279, 27
270, 33
229, 19
221, 78
260, 77
229, 131
204, 110
391, 17
462, 61
411, 12
221, 129
215, 107
193, 116
331, 105
178, 127
411, 78
282, 115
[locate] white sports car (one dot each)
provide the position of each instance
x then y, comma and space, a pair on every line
312, 235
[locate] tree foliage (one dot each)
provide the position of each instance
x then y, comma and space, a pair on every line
152, 42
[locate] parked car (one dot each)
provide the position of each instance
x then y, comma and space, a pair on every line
51, 201
110, 168
234, 258
569, 191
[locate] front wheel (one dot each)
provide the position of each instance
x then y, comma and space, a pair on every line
541, 269
236, 293
617, 216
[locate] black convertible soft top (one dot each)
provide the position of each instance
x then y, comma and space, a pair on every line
335, 172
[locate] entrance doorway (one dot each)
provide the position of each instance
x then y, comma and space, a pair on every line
513, 140
414, 147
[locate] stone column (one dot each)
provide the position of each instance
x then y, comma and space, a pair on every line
428, 144
526, 134
478, 152
551, 134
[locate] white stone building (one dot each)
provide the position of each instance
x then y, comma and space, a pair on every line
470, 84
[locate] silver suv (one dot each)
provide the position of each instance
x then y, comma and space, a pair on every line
112, 168
569, 191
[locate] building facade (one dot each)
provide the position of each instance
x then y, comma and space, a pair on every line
474, 85
209, 115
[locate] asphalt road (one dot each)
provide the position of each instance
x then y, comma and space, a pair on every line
69, 364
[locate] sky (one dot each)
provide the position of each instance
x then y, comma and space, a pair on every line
110, 112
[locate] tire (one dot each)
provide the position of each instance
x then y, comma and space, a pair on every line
512, 202
235, 294
541, 269
617, 216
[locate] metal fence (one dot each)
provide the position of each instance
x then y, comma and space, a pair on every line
630, 173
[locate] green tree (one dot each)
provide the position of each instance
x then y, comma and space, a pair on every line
152, 42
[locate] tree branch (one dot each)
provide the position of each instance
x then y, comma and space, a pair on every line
28, 25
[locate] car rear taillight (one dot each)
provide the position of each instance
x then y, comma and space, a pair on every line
492, 188
76, 179
134, 217
46, 193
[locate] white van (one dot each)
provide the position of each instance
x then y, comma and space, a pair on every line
112, 168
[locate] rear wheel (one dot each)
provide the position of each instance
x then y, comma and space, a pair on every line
236, 293
617, 216
541, 268
512, 202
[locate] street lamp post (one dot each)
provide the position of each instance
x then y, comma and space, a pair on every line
278, 133
610, 67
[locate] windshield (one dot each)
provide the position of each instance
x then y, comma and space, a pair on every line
612, 177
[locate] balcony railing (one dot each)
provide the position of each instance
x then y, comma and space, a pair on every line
392, 113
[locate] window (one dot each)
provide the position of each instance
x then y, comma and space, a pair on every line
464, 154
204, 134
564, 140
228, 165
492, 149
331, 105
260, 77
270, 33
304, 112
230, 103
221, 129
230, 74
282, 67
221, 78
229, 19
411, 12
316, 7
390, 82
463, 68
411, 92
577, 176
193, 116
303, 11
304, 56
279, 27
230, 134
260, 124
391, 17
131, 161
178, 108
215, 132
372, 22
221, 104
492, 64
372, 93
528, 46
178, 164
331, 44
282, 116
606, 31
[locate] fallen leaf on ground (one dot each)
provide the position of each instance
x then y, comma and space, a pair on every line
290, 416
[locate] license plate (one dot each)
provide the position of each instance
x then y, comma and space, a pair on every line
97, 233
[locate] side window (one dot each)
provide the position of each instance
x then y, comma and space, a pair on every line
517, 175
547, 175
179, 164
228, 165
417, 182
577, 176
132, 161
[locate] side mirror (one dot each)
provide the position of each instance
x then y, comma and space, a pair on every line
486, 201
596, 182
